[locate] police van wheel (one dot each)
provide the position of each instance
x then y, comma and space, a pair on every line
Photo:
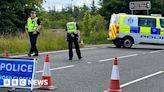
127, 43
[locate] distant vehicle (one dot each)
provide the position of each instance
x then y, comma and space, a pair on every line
126, 30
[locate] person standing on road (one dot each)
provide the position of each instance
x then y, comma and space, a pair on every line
33, 27
73, 36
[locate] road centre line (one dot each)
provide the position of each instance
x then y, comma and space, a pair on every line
156, 51
118, 57
58, 68
128, 56
51, 52
89, 62
140, 79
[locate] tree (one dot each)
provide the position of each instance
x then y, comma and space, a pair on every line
93, 8
84, 9
92, 23
122, 6
97, 23
76, 12
86, 24
14, 13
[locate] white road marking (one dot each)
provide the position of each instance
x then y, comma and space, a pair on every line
59, 68
89, 62
156, 51
105, 91
140, 79
118, 57
51, 52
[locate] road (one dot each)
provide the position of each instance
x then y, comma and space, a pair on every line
141, 69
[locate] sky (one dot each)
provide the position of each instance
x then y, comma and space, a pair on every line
58, 4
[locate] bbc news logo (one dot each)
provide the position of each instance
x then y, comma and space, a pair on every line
24, 82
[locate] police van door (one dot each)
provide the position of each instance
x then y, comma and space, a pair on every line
161, 21
148, 31
129, 26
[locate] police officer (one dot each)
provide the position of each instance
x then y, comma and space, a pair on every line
33, 27
73, 36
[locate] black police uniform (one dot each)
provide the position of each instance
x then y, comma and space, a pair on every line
33, 41
73, 38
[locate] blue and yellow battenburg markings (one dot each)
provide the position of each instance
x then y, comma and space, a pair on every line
153, 31
134, 29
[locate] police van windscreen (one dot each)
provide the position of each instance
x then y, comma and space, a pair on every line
162, 23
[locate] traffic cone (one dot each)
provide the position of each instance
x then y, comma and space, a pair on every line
114, 85
6, 54
47, 75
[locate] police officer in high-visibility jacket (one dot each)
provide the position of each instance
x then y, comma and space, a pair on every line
73, 36
33, 27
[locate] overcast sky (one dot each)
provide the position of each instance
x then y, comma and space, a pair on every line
58, 4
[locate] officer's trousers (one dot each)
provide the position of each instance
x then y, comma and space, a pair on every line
70, 46
33, 41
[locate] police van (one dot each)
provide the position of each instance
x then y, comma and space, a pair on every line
126, 30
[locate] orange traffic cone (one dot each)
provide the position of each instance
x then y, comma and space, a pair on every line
47, 74
114, 85
6, 54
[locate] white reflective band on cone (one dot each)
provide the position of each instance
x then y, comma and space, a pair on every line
115, 73
46, 69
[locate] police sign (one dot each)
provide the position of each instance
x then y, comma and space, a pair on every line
16, 72
140, 5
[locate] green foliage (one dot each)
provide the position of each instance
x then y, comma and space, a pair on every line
93, 8
122, 6
92, 23
93, 29
58, 19
14, 13
99, 37
97, 23
47, 41
86, 24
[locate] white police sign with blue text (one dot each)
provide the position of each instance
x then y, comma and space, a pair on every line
15, 73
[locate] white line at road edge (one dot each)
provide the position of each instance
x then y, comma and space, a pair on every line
59, 68
156, 51
51, 52
140, 79
118, 57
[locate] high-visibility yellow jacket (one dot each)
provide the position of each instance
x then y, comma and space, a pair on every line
32, 24
71, 27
